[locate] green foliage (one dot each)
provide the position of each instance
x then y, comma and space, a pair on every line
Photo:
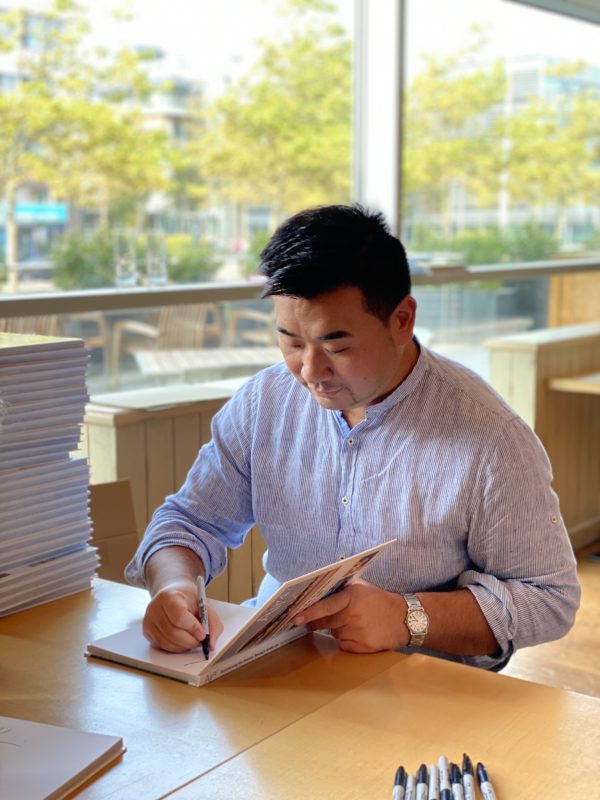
281, 135
460, 140
528, 242
251, 258
592, 243
531, 242
72, 125
84, 263
191, 260
88, 262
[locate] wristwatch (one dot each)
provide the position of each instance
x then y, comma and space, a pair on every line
416, 620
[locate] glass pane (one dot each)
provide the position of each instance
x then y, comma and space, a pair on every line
501, 159
202, 123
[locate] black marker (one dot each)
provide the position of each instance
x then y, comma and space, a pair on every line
468, 779
487, 790
434, 783
421, 793
456, 781
445, 791
399, 784
203, 615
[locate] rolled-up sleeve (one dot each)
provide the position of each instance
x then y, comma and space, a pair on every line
213, 509
523, 571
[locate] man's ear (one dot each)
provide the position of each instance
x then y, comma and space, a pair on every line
403, 317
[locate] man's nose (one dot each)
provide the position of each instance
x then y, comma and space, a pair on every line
315, 366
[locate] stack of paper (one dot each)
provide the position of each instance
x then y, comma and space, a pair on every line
44, 511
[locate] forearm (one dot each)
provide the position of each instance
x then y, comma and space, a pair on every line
456, 624
172, 565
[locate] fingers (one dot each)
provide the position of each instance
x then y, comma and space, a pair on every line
170, 623
324, 611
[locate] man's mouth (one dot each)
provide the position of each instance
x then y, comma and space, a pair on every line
323, 392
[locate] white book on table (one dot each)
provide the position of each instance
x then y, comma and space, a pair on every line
77, 503
38, 582
47, 762
42, 434
248, 633
48, 473
42, 544
20, 405
33, 347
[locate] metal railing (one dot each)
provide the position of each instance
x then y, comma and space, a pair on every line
27, 305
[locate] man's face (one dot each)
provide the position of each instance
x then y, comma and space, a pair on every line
346, 357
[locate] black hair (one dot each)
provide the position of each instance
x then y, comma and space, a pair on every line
322, 249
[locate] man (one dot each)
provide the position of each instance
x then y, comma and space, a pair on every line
362, 436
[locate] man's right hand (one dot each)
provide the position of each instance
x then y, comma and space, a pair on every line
171, 620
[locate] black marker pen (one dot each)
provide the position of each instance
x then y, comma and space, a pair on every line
399, 784
487, 790
445, 791
421, 793
468, 778
456, 783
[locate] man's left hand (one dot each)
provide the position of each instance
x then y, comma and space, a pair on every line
363, 617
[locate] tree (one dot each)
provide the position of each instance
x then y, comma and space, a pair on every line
281, 135
462, 138
555, 147
453, 131
70, 121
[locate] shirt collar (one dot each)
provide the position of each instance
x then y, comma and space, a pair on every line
408, 385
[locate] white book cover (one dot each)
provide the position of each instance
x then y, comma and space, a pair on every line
70, 398
47, 762
42, 544
20, 484
42, 434
82, 561
56, 472
248, 633
50, 514
40, 374
52, 520
33, 342
40, 583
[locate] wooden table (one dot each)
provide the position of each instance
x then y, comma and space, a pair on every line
219, 361
173, 732
304, 722
536, 741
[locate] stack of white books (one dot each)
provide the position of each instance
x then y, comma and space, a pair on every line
44, 509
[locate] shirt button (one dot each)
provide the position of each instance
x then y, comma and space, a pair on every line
350, 441
345, 501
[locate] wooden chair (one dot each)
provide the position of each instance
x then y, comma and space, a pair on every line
249, 326
176, 327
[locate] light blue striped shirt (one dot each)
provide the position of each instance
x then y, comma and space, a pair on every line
442, 465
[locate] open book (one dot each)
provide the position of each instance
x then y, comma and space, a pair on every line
47, 761
248, 632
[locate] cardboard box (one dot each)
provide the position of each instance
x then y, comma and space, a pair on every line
114, 528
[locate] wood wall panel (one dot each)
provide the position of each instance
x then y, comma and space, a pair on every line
567, 423
154, 448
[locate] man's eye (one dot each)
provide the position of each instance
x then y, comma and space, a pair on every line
335, 352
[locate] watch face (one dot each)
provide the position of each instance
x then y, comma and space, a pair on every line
418, 621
